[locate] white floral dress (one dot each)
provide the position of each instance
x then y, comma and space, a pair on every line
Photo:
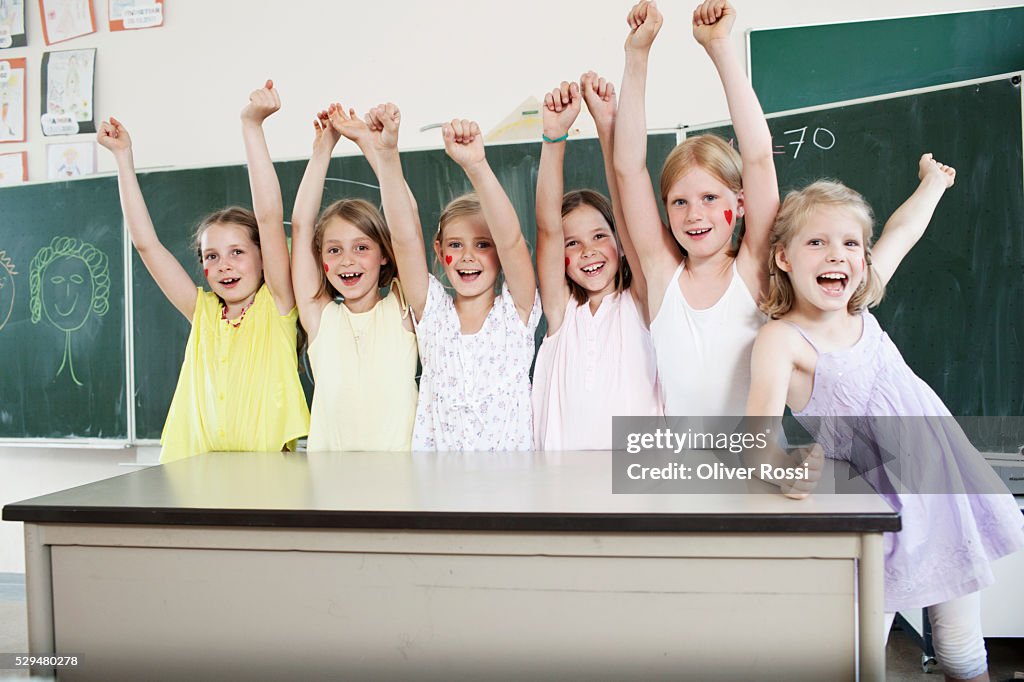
475, 388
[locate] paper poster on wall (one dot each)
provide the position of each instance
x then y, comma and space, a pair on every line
127, 15
70, 160
12, 24
12, 100
67, 89
66, 19
13, 168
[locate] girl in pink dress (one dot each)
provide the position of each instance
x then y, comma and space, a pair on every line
597, 360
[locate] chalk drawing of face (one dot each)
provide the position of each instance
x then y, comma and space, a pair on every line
67, 293
7, 273
69, 281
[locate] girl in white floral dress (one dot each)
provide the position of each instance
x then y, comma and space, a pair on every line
477, 347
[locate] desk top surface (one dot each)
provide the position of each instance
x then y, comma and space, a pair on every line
526, 491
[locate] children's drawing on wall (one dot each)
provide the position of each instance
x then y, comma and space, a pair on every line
71, 160
12, 23
126, 15
66, 19
68, 79
12, 100
69, 282
7, 273
13, 169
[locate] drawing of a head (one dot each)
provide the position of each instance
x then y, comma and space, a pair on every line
68, 280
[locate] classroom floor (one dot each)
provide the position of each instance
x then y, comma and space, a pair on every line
903, 656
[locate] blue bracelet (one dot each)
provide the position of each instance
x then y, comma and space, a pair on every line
563, 138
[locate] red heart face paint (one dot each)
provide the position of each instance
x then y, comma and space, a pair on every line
206, 272
728, 217
566, 262
448, 260
327, 268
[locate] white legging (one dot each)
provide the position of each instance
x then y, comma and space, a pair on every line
956, 636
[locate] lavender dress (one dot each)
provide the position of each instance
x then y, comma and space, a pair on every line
949, 539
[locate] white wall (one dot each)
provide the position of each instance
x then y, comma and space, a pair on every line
179, 88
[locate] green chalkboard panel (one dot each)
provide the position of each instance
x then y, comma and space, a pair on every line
178, 200
955, 308
62, 312
793, 68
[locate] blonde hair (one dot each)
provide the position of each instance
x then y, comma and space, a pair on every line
588, 197
712, 154
795, 210
368, 220
459, 207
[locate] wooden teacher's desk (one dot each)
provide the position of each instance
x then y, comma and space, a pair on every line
447, 566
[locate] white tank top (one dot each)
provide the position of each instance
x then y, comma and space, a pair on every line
704, 355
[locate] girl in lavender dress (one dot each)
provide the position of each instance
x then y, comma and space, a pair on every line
825, 356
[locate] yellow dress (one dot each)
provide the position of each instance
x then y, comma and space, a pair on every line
364, 365
239, 386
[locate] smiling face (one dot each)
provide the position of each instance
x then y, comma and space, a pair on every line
591, 252
467, 254
67, 292
231, 262
352, 262
702, 212
825, 258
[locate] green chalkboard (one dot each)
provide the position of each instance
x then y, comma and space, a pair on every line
793, 68
955, 308
178, 200
62, 312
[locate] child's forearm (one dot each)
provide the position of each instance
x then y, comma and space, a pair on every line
266, 190
755, 139
133, 204
912, 217
630, 153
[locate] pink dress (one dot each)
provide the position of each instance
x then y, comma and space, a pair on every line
949, 539
594, 367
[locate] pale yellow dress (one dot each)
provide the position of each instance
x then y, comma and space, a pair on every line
364, 365
239, 386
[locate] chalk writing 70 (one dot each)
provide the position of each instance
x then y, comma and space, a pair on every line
822, 138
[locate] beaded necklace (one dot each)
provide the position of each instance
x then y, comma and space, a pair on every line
234, 323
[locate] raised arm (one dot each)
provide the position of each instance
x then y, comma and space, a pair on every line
306, 265
561, 107
399, 208
170, 276
464, 143
656, 248
599, 94
712, 24
907, 225
266, 196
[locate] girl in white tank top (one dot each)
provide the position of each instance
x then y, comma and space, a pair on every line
702, 292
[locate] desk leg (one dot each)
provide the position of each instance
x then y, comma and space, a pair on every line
871, 588
38, 595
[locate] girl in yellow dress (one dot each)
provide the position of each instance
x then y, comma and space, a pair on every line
239, 387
